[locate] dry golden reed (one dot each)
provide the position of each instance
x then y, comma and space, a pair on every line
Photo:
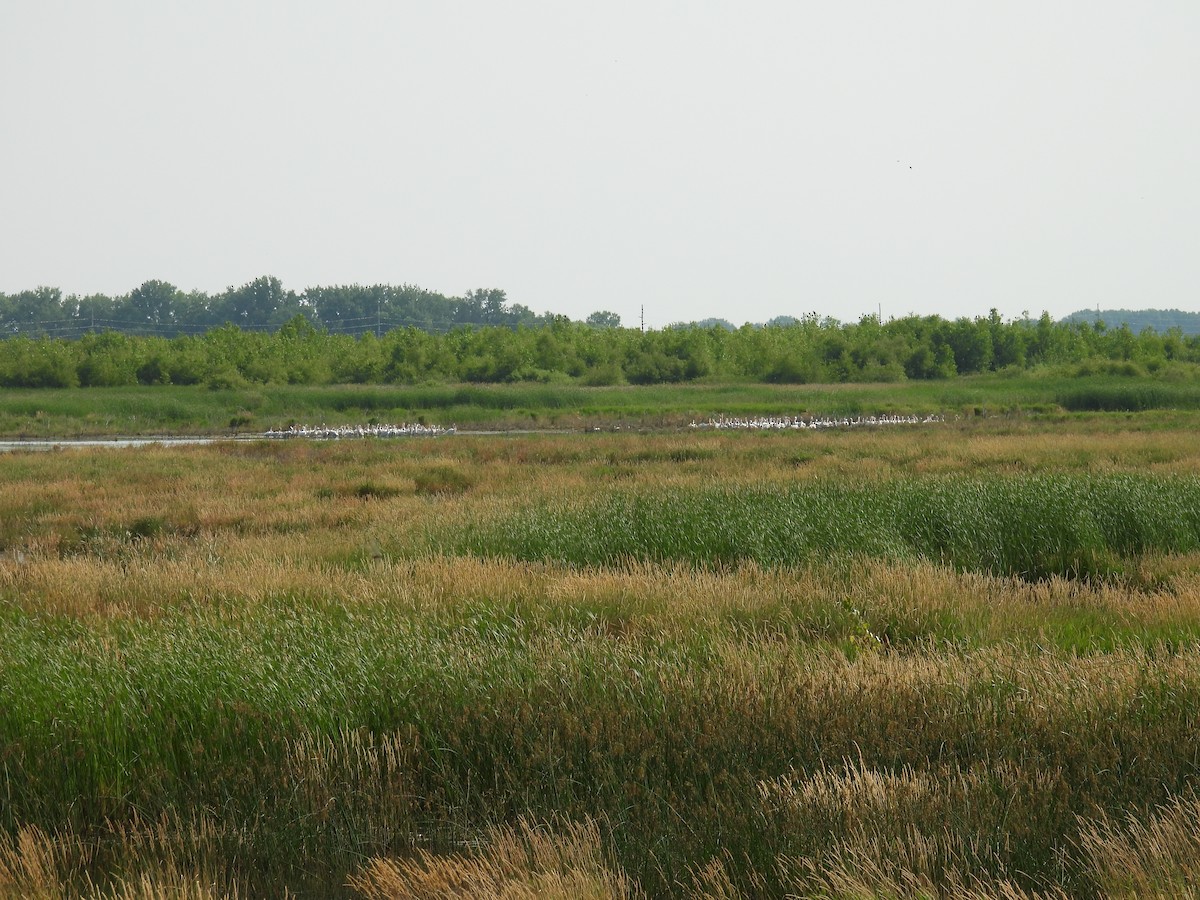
33, 865
1152, 856
521, 862
38, 866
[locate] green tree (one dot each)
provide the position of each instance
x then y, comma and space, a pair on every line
1009, 342
604, 319
258, 304
971, 343
39, 311
154, 303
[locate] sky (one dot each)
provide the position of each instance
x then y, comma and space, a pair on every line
737, 160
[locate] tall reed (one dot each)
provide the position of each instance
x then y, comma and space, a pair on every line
1033, 526
314, 734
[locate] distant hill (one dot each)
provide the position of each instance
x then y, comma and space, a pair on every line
1161, 320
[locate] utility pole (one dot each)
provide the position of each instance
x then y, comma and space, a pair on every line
378, 317
643, 318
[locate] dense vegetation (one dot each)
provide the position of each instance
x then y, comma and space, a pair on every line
804, 352
1047, 394
607, 665
1033, 527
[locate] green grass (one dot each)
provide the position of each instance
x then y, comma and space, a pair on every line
197, 409
1101, 395
772, 661
1033, 527
268, 722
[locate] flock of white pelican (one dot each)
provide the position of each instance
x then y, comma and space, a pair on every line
779, 423
766, 423
337, 432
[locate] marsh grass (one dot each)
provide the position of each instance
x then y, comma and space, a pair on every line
413, 732
440, 480
1033, 527
1126, 395
227, 673
561, 862
1155, 855
370, 489
230, 405
38, 866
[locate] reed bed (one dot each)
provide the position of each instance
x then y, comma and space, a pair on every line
306, 735
866, 602
283, 669
1032, 526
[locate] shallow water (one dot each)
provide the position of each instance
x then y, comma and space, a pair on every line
67, 443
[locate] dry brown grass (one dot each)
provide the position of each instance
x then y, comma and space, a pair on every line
34, 866
897, 604
522, 862
1141, 856
37, 866
1157, 856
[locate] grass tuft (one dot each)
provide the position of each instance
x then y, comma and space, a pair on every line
442, 480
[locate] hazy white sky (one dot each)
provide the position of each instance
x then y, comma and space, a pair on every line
733, 159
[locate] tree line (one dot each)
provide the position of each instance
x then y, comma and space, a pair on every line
159, 308
806, 350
